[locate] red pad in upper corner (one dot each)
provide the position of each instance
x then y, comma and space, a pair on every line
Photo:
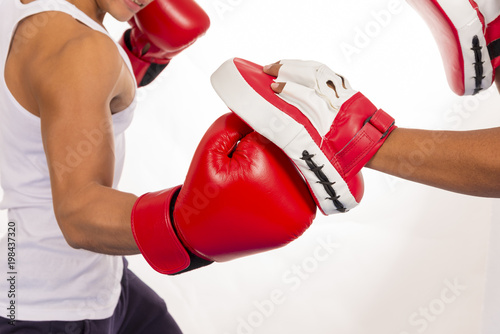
459, 28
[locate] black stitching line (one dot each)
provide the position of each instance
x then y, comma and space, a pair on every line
478, 65
317, 170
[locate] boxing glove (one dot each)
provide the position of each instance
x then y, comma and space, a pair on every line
467, 33
159, 32
241, 196
326, 128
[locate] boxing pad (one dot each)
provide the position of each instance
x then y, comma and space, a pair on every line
241, 196
467, 33
326, 128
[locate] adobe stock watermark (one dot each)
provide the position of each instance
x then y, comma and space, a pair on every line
76, 154
463, 110
92, 139
421, 320
200, 198
31, 28
365, 34
292, 278
88, 307
225, 7
454, 118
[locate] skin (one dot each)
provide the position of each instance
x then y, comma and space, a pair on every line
73, 89
459, 161
73, 78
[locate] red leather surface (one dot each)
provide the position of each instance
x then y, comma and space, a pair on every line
447, 40
356, 139
493, 30
493, 34
261, 83
349, 144
170, 26
154, 234
242, 195
162, 30
139, 66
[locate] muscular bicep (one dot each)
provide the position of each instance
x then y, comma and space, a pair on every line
78, 143
74, 93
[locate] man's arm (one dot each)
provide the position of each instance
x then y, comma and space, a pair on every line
74, 91
461, 161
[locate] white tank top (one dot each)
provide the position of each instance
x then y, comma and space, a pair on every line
52, 280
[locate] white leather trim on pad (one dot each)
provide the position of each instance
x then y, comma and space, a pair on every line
282, 130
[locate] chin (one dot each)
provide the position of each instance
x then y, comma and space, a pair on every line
118, 10
122, 17
121, 14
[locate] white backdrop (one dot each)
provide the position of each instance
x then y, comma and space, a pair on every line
410, 259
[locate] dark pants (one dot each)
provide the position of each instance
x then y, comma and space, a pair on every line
139, 311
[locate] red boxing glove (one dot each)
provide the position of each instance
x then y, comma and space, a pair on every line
242, 196
159, 32
329, 130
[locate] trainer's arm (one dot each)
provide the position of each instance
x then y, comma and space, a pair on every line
461, 161
74, 96
466, 162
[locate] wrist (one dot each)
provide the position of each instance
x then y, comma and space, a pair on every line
383, 157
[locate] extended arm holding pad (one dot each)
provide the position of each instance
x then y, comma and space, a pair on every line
241, 196
326, 128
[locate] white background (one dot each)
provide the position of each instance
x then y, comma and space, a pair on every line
388, 265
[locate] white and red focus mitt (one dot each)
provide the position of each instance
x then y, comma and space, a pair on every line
467, 33
326, 128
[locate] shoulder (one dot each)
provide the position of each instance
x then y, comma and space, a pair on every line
65, 54
61, 33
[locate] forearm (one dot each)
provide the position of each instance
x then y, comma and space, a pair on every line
97, 218
464, 162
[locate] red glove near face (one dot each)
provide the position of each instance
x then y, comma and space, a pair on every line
242, 196
159, 32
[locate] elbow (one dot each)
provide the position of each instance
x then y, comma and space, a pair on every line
496, 188
485, 182
73, 241
69, 224
491, 179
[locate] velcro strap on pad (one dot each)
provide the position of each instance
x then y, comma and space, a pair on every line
382, 121
361, 148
